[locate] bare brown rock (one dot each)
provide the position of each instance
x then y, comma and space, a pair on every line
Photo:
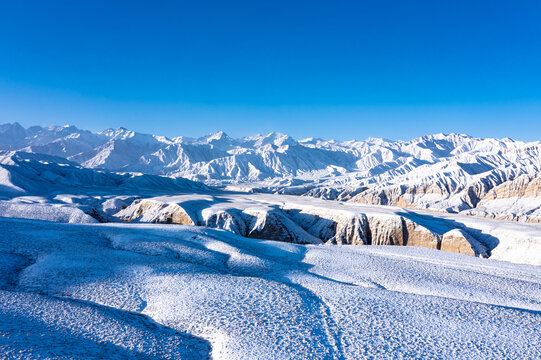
386, 230
156, 212
459, 241
417, 235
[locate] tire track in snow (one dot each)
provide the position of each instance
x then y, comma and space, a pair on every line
333, 334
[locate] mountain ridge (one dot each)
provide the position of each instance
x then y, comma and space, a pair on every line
445, 172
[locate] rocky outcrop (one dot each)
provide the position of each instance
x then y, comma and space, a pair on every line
516, 200
311, 225
355, 231
230, 220
336, 227
275, 225
482, 197
399, 195
458, 197
344, 227
386, 229
397, 230
156, 212
260, 223
418, 235
459, 241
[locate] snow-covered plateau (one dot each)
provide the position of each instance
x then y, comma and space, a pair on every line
120, 245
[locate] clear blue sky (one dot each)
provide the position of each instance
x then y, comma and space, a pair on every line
331, 69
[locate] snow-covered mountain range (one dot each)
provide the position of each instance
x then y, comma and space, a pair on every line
454, 173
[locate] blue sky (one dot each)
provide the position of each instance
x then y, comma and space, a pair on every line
331, 69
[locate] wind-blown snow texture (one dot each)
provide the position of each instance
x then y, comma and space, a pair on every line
453, 173
172, 291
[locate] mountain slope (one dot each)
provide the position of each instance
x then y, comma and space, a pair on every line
47, 187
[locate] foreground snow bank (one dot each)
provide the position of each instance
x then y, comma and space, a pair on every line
40, 326
253, 299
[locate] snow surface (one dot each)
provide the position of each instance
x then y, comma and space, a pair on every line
172, 291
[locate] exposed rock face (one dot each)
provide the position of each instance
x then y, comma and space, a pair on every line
230, 220
356, 231
417, 235
482, 197
399, 195
517, 200
523, 186
387, 230
361, 229
459, 197
459, 241
305, 226
257, 223
321, 227
274, 225
397, 230
334, 227
155, 212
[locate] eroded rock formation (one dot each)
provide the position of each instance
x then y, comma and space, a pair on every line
309, 225
483, 197
459, 241
517, 200
156, 212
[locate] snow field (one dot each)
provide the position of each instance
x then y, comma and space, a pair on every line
239, 298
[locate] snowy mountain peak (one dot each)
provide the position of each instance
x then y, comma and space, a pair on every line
219, 135
14, 127
123, 133
11, 135
272, 138
107, 132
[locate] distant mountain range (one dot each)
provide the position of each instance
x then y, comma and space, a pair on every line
455, 173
